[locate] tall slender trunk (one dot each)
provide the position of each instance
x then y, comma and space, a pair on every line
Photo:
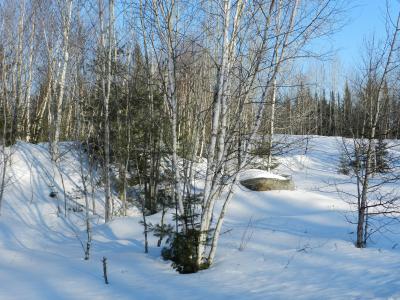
4, 132
274, 87
29, 83
374, 98
66, 16
252, 135
106, 96
18, 76
215, 123
271, 127
172, 99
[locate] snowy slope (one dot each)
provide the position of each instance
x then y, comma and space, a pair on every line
275, 245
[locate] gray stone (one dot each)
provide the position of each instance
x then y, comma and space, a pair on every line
268, 184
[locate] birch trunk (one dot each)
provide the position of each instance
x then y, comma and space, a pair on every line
171, 96
29, 83
4, 132
106, 95
254, 131
373, 117
66, 16
18, 76
216, 111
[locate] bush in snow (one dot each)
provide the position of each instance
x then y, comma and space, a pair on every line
182, 250
182, 244
353, 160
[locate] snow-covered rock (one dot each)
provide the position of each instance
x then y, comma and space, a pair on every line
260, 180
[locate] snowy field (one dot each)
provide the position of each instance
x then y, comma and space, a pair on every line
275, 245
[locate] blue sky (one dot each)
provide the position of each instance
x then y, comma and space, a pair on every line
366, 17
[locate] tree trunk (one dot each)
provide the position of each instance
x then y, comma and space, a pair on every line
66, 16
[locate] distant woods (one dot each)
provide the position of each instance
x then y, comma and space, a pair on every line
337, 113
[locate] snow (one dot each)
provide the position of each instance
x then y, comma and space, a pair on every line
274, 245
256, 173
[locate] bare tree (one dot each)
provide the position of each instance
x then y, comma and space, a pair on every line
66, 12
373, 194
106, 79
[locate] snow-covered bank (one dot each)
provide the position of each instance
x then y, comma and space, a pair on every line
274, 245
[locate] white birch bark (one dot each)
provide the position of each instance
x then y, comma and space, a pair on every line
29, 82
374, 118
216, 108
171, 95
273, 97
254, 130
18, 75
4, 155
106, 87
66, 20
165, 21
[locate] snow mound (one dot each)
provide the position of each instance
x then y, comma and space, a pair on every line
257, 173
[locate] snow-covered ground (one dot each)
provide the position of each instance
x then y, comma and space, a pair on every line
274, 245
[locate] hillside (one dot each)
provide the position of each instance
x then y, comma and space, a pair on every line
275, 245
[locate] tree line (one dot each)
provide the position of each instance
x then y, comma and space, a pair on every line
336, 113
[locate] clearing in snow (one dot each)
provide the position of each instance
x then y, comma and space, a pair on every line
275, 245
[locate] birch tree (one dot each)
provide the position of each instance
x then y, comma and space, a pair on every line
66, 12
287, 47
30, 75
4, 97
164, 14
219, 110
106, 78
378, 69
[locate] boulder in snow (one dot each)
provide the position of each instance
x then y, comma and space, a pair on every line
260, 180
